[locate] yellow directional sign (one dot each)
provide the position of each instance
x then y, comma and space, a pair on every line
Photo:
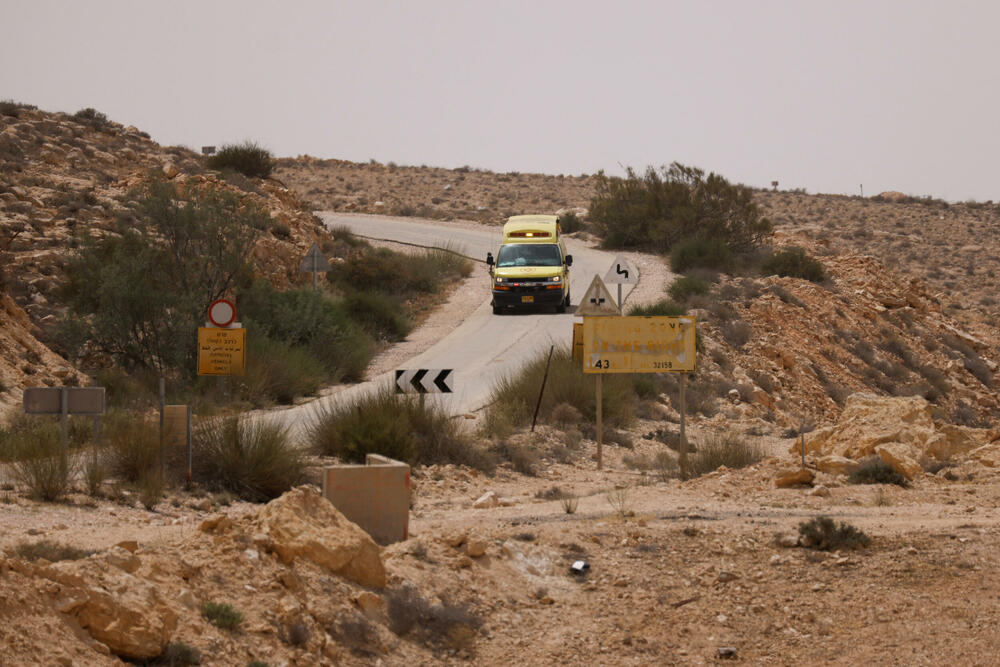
221, 351
638, 344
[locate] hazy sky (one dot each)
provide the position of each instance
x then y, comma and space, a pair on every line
824, 96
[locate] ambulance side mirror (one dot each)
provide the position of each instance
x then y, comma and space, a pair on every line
489, 259
569, 260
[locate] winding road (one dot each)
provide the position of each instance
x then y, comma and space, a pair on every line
484, 347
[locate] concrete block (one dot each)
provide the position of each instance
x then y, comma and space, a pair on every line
376, 496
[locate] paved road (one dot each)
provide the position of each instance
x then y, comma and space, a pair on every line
485, 346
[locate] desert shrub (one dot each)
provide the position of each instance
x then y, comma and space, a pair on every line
178, 654
150, 487
823, 534
247, 158
312, 321
565, 415
708, 253
663, 307
659, 209
39, 462
726, 449
513, 397
296, 633
50, 551
140, 292
794, 262
221, 615
279, 371
13, 109
281, 230
965, 415
979, 370
874, 470
378, 314
408, 610
570, 222
522, 458
133, 445
92, 117
398, 274
684, 287
399, 426
665, 465
252, 458
736, 332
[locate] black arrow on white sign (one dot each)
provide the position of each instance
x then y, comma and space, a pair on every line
424, 381
621, 271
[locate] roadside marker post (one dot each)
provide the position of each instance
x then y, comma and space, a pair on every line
63, 401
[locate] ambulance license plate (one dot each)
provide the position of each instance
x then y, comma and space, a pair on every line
527, 299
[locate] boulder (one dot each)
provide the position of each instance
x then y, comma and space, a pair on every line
118, 609
475, 547
987, 455
899, 456
793, 477
304, 524
487, 500
836, 465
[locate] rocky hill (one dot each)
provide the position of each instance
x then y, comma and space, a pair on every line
909, 308
62, 174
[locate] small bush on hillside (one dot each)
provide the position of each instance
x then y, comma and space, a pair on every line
399, 426
736, 332
701, 253
178, 654
522, 458
794, 262
249, 457
133, 445
247, 158
221, 615
727, 449
13, 109
393, 273
50, 551
280, 372
92, 117
663, 307
874, 470
451, 623
979, 370
684, 287
823, 534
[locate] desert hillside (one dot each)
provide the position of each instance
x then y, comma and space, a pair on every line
65, 175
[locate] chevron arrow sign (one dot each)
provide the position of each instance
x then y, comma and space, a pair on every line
425, 381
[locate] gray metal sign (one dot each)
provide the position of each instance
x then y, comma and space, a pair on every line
49, 400
314, 261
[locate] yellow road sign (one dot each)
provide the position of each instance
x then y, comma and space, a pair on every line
221, 351
638, 344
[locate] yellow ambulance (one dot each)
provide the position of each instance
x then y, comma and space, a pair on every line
531, 267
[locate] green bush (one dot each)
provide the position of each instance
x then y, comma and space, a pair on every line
395, 425
513, 397
569, 222
141, 292
727, 449
132, 445
13, 109
393, 273
221, 615
407, 610
179, 654
280, 372
794, 262
874, 470
684, 287
662, 208
701, 253
663, 307
247, 158
378, 314
823, 534
311, 320
92, 117
250, 457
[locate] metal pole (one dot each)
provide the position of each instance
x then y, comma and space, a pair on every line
63, 416
620, 309
163, 400
600, 426
683, 458
315, 269
189, 444
542, 390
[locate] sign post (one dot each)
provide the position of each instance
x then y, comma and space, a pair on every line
314, 262
621, 273
639, 344
63, 401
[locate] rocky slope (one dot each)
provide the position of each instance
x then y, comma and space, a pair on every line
61, 175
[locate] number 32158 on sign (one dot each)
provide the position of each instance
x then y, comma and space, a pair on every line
638, 344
